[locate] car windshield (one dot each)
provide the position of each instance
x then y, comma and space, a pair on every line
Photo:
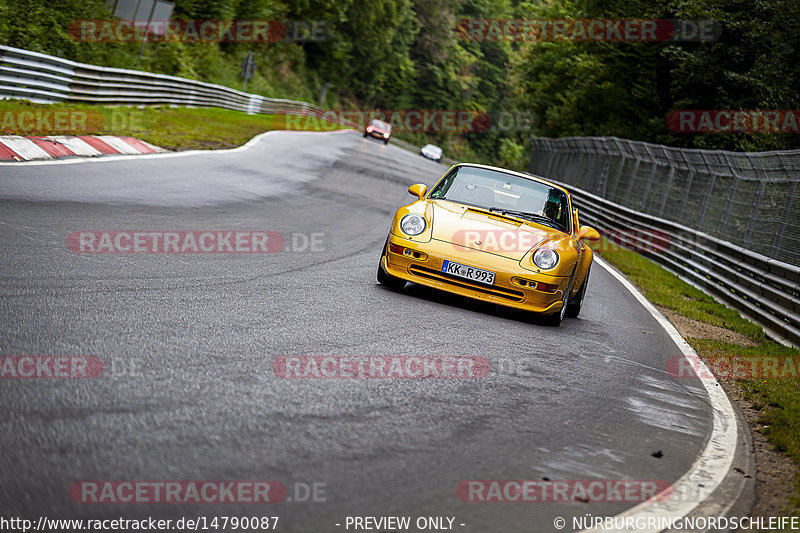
505, 193
381, 124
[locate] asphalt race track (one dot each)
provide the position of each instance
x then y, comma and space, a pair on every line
188, 343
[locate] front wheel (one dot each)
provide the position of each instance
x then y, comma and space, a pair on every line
556, 318
574, 305
388, 280
386, 141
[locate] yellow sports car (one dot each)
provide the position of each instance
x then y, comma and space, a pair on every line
493, 235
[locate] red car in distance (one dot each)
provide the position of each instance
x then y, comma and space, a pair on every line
379, 129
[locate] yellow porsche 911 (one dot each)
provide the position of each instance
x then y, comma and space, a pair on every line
493, 235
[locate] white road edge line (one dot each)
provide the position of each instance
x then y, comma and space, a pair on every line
713, 464
105, 159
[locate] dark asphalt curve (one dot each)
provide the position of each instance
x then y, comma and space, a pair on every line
188, 342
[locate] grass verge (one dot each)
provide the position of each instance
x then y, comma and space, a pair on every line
776, 399
174, 128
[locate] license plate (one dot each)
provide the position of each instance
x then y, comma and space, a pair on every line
468, 272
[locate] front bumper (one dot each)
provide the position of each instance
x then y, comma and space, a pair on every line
424, 266
377, 135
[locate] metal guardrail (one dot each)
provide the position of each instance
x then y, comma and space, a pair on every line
749, 199
48, 79
763, 289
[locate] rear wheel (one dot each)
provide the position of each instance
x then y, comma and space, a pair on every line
574, 305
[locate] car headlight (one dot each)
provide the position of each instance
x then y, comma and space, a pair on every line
412, 224
545, 258
386, 135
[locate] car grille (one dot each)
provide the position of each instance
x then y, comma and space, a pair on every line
500, 292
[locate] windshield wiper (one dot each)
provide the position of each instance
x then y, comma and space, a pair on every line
531, 216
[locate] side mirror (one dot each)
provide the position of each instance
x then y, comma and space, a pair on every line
418, 190
588, 233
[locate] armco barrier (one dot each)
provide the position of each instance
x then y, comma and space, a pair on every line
46, 79
748, 199
764, 289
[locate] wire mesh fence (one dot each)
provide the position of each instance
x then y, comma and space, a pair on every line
748, 199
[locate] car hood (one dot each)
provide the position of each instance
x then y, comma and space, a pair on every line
477, 229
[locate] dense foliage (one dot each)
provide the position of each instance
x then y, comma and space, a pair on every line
407, 54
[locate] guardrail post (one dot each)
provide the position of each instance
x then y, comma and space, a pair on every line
728, 204
748, 234
775, 249
709, 190
553, 153
685, 199
651, 176
667, 186
649, 185
601, 186
623, 158
590, 168
631, 180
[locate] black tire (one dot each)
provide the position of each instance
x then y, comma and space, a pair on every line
386, 141
574, 305
388, 281
365, 134
385, 279
556, 318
